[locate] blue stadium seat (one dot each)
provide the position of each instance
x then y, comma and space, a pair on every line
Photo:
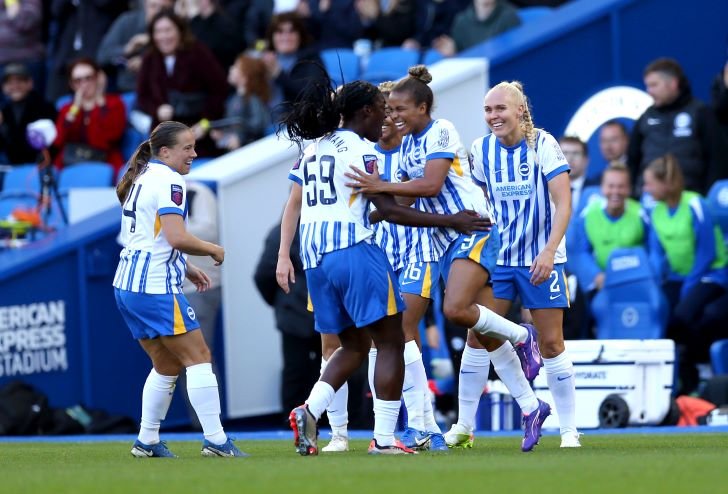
431, 56
86, 174
719, 357
129, 100
529, 14
21, 178
10, 201
588, 195
718, 204
631, 305
389, 64
63, 100
342, 64
130, 140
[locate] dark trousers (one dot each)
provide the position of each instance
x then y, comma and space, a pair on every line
301, 368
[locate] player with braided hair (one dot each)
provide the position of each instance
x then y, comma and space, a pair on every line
351, 284
526, 177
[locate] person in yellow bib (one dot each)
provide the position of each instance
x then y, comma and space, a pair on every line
688, 251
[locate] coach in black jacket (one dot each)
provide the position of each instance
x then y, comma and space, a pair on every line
679, 124
301, 344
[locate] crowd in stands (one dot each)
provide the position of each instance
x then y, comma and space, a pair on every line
227, 67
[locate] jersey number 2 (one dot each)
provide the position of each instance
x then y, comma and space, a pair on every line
323, 174
131, 213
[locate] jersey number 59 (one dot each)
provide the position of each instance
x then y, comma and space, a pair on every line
324, 175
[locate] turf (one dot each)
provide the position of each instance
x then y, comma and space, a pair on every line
606, 464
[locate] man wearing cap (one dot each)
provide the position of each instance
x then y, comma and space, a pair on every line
22, 106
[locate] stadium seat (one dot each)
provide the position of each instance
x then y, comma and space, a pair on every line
129, 100
86, 174
719, 357
389, 64
530, 14
130, 140
342, 64
718, 204
588, 195
9, 202
21, 178
63, 100
431, 56
631, 305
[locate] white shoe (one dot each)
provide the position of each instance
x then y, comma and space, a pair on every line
459, 437
337, 444
570, 440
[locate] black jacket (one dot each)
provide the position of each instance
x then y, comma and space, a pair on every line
291, 312
12, 131
687, 129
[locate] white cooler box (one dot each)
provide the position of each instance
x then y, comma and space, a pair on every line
618, 382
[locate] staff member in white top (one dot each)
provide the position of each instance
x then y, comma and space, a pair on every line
148, 288
527, 179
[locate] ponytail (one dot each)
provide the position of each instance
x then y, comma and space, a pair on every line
137, 164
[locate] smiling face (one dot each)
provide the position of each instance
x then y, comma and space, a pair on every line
407, 115
616, 189
180, 155
167, 37
504, 114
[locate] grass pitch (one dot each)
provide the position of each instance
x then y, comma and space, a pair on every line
610, 464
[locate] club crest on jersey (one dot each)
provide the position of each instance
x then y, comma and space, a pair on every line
370, 162
191, 313
524, 169
177, 194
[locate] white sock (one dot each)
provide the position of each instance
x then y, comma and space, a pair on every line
337, 410
322, 394
429, 414
385, 421
474, 368
414, 387
205, 399
492, 324
506, 364
370, 370
560, 377
156, 397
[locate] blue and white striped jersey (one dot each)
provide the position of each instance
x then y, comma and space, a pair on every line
395, 240
333, 215
147, 263
517, 182
440, 140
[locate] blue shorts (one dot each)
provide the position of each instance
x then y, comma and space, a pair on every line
418, 278
352, 287
481, 247
151, 315
509, 281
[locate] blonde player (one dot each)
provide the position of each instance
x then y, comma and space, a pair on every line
148, 288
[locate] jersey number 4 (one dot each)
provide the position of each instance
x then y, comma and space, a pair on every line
131, 213
319, 176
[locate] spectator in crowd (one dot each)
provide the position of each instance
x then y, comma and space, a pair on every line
290, 60
334, 23
82, 25
301, 344
577, 154
202, 223
688, 251
603, 226
613, 141
22, 106
679, 124
180, 78
720, 99
388, 22
247, 115
123, 46
21, 37
434, 18
90, 127
213, 28
479, 22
